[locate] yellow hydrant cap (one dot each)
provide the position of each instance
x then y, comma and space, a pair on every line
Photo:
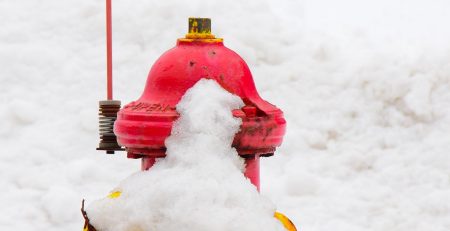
199, 28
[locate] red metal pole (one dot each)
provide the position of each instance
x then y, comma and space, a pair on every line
109, 50
147, 163
252, 170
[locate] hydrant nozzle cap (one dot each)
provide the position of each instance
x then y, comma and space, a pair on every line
200, 28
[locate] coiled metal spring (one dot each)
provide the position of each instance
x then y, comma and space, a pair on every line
107, 116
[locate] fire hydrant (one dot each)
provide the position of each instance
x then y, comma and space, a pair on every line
141, 127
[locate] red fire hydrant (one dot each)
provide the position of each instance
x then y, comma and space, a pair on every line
143, 125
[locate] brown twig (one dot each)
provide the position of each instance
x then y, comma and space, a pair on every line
87, 226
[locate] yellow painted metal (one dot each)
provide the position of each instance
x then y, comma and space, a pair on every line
190, 40
285, 221
115, 194
199, 28
199, 36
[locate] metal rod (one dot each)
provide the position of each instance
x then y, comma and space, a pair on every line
147, 163
109, 50
252, 170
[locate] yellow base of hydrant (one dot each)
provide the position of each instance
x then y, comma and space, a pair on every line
285, 221
279, 216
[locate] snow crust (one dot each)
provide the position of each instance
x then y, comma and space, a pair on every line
200, 184
365, 87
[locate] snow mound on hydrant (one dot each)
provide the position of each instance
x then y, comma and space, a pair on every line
199, 185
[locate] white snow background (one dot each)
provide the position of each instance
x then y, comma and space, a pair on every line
365, 87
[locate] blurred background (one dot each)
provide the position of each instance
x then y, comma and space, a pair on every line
365, 87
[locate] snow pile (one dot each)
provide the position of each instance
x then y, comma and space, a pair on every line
199, 185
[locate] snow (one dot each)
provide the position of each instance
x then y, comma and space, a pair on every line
200, 184
365, 87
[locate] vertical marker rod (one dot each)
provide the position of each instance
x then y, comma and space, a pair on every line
109, 50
